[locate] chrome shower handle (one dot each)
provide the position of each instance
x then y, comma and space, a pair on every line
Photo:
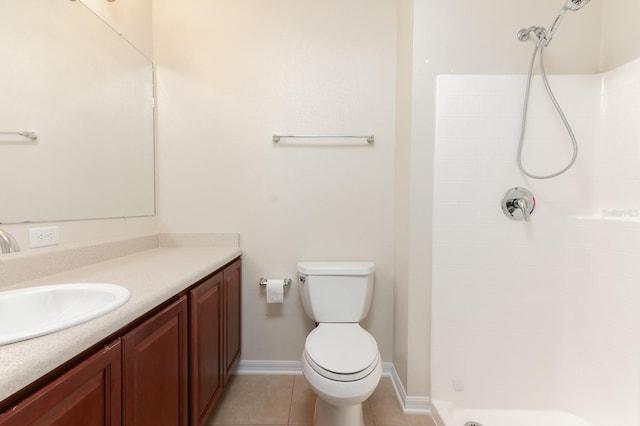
518, 204
522, 205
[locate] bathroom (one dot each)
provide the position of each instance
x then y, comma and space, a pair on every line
230, 74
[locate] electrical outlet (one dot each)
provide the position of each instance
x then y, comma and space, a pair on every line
46, 236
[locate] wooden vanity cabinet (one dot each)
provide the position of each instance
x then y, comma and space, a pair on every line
214, 344
231, 324
167, 369
87, 395
205, 347
155, 368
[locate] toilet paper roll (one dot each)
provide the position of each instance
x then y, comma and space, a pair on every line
275, 290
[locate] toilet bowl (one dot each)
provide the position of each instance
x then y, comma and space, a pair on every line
342, 364
340, 360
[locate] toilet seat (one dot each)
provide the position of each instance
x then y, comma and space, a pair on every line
343, 352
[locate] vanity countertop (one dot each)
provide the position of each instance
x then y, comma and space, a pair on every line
152, 276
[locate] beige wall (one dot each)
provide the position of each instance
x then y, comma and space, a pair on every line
462, 37
130, 18
230, 74
402, 230
621, 35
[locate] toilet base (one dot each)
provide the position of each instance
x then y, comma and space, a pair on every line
333, 415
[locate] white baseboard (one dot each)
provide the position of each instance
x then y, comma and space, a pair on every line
409, 404
268, 368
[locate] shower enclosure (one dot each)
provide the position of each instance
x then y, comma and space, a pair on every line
537, 323
541, 315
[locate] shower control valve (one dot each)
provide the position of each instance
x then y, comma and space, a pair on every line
518, 204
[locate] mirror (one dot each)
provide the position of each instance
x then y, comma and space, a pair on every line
88, 95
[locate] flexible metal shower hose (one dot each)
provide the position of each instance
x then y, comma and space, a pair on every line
543, 74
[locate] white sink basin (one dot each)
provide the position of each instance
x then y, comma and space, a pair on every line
36, 311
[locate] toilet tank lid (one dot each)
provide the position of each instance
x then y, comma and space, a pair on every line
336, 268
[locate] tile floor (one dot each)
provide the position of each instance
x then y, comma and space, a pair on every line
288, 400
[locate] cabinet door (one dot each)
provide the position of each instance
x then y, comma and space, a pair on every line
87, 395
205, 347
232, 316
156, 368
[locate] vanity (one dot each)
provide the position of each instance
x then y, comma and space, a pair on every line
163, 358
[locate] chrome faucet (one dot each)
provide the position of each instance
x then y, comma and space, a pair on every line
8, 244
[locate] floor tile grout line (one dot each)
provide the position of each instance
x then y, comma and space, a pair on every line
293, 388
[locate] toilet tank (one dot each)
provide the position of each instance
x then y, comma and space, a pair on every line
336, 291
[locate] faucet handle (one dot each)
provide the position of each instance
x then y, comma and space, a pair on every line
518, 204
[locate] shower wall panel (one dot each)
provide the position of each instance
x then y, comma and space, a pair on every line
538, 315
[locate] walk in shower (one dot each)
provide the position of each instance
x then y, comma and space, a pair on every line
537, 323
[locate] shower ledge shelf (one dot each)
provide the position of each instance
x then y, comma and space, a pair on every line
621, 219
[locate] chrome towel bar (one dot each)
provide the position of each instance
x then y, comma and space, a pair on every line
369, 138
29, 135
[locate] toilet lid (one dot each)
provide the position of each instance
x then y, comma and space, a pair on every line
341, 349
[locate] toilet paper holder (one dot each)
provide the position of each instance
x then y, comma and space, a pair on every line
287, 282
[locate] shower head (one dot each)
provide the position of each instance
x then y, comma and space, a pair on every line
569, 5
575, 4
544, 35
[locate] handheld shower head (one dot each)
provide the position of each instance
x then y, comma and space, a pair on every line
575, 4
569, 5
545, 36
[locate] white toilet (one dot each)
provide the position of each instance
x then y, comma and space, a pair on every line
341, 360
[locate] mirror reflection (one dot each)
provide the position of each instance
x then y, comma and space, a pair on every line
88, 96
